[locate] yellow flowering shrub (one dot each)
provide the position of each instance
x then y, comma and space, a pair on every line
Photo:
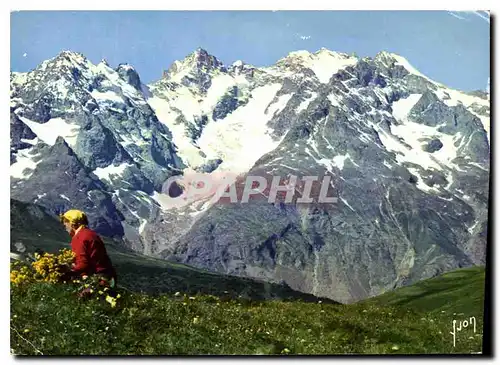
50, 267
46, 267
20, 274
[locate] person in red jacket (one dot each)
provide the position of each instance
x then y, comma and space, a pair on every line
90, 253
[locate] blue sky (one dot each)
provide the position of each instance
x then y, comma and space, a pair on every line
451, 48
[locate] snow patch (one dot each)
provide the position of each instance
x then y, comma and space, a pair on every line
337, 161
478, 165
32, 142
127, 90
143, 225
221, 84
187, 152
55, 127
412, 134
278, 105
288, 167
24, 166
106, 172
40, 196
471, 229
64, 197
107, 96
346, 203
243, 136
453, 97
402, 107
60, 88
456, 97
334, 100
416, 135
303, 106
323, 63
420, 183
19, 78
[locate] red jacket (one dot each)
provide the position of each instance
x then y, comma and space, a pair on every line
90, 254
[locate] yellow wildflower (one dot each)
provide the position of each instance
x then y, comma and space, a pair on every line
111, 301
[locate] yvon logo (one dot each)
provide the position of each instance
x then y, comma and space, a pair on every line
462, 325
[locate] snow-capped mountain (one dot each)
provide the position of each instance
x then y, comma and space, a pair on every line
409, 158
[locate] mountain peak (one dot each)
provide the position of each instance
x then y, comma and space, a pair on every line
322, 52
69, 53
299, 54
201, 51
64, 61
125, 67
200, 57
390, 59
323, 63
129, 74
71, 56
193, 68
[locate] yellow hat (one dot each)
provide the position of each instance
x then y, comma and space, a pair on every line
75, 217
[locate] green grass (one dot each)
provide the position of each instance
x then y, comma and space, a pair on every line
459, 291
60, 324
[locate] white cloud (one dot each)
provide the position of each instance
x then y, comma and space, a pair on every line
456, 15
25, 54
483, 15
305, 37
465, 15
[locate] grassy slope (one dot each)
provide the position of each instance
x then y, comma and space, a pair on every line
417, 319
460, 291
57, 323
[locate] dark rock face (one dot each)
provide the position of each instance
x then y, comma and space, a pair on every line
66, 183
412, 187
228, 103
130, 75
200, 64
195, 129
100, 147
19, 133
210, 166
433, 146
